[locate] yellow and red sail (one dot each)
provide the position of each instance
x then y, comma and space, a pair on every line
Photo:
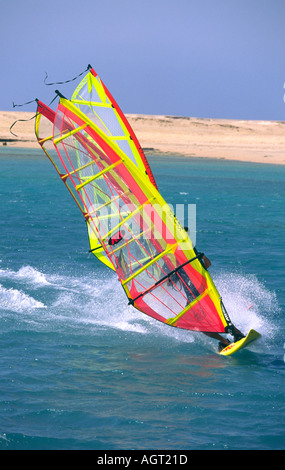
135, 231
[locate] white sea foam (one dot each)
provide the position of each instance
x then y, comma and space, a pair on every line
100, 302
33, 275
34, 278
17, 301
249, 303
26, 274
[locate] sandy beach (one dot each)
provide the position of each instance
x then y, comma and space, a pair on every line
251, 141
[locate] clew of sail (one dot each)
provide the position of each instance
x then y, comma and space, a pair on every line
153, 256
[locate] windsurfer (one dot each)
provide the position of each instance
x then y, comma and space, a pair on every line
207, 262
223, 342
237, 334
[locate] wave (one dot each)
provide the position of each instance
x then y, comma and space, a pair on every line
71, 300
17, 301
99, 302
26, 274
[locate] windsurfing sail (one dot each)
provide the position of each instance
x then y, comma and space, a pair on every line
159, 269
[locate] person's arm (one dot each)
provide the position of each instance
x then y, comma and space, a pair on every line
207, 262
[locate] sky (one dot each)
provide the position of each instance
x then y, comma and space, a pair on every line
197, 58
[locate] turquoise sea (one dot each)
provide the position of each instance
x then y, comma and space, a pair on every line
80, 369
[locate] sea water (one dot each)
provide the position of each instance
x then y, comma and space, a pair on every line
80, 369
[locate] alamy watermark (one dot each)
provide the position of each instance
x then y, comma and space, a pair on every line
150, 221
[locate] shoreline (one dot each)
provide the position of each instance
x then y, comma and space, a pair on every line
189, 137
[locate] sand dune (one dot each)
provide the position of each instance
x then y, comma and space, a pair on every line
252, 141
